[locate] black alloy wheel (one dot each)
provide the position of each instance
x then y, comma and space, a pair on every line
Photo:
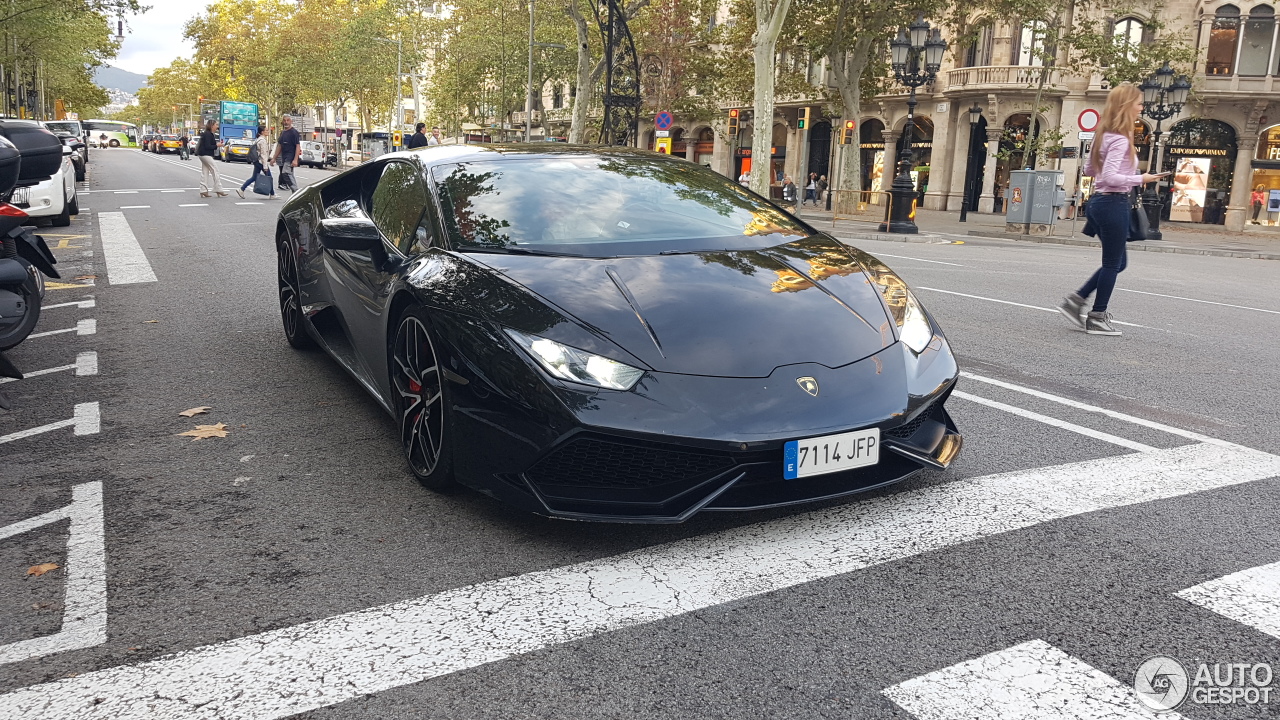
17, 333
290, 297
421, 399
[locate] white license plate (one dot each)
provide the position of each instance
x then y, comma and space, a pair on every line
830, 453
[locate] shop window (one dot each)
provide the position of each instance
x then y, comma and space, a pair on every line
979, 51
1128, 34
1031, 44
1256, 41
1223, 35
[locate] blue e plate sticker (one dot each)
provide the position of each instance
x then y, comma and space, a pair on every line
790, 463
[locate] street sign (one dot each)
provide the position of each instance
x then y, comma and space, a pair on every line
396, 138
662, 133
663, 120
1085, 135
1088, 120
662, 145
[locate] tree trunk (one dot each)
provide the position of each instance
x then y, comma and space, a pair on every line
769, 19
582, 97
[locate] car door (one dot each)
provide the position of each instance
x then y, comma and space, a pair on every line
364, 280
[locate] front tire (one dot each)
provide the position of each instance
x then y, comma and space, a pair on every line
19, 332
422, 402
64, 218
291, 316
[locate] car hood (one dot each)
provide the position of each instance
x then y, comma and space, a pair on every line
728, 313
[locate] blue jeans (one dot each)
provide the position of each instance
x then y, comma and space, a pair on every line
257, 170
1110, 213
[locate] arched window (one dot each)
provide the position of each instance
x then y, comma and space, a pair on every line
1031, 49
1256, 41
1128, 34
979, 51
1223, 35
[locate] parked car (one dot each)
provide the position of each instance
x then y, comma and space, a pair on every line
54, 198
71, 127
235, 150
144, 142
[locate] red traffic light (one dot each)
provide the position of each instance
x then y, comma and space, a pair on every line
849, 124
733, 113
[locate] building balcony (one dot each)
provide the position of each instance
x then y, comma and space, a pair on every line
1236, 85
1001, 77
520, 118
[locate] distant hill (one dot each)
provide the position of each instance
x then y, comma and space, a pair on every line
107, 76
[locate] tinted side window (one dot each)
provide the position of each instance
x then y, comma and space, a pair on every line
398, 202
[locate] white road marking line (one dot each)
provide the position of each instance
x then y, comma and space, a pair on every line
126, 262
1100, 410
291, 670
905, 257
86, 364
1063, 424
1206, 302
1250, 597
1024, 305
1031, 680
84, 614
137, 190
248, 203
84, 327
125, 192
134, 207
193, 204
175, 191
85, 419
82, 304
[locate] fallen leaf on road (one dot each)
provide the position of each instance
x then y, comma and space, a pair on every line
195, 411
144, 322
42, 568
207, 431
85, 277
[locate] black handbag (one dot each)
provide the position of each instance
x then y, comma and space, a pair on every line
1139, 224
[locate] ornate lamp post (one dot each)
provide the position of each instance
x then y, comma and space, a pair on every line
975, 114
914, 46
1162, 98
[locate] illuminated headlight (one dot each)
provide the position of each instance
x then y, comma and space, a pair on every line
577, 365
915, 330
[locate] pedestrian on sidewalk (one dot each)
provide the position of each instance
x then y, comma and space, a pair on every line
811, 190
207, 148
286, 154
1258, 198
437, 138
257, 154
822, 188
418, 138
788, 191
1113, 164
745, 179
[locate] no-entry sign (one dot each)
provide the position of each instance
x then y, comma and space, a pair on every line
1088, 120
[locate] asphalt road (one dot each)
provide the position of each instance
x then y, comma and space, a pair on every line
1101, 477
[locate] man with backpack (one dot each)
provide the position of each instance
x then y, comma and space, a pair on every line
261, 148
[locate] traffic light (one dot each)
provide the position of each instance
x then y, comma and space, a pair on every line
733, 122
802, 121
846, 132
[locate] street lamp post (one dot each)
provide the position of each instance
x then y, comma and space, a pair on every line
1162, 98
975, 114
906, 55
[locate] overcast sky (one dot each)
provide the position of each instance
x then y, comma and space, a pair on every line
154, 38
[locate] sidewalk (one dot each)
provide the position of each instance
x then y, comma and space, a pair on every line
1182, 238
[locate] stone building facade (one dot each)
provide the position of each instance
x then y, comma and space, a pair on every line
1229, 132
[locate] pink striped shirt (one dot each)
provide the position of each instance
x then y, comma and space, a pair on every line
1119, 172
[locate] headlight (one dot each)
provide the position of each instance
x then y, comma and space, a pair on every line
914, 329
577, 365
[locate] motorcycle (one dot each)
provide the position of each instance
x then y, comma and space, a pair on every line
27, 157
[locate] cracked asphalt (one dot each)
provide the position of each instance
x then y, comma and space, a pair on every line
306, 511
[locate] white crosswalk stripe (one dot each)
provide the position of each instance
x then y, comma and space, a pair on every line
1034, 680
1250, 597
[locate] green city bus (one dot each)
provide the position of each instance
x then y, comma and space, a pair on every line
119, 134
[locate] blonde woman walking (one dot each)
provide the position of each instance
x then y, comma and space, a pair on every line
1113, 163
207, 148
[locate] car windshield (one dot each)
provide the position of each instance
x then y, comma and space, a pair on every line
171, 138
604, 206
71, 128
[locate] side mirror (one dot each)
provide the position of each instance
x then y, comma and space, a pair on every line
352, 234
66, 150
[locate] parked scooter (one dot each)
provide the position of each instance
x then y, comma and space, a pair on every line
24, 257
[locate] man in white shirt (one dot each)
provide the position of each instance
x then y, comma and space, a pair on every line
745, 179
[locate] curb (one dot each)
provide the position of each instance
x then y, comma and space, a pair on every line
1141, 245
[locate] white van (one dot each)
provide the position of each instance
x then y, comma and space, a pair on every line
312, 154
